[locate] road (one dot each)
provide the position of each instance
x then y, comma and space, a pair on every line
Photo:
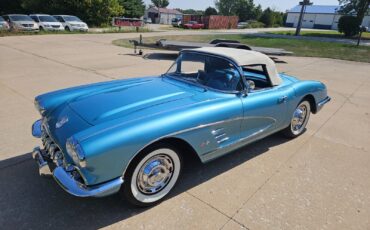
317, 181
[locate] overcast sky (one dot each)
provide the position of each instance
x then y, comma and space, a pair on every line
281, 5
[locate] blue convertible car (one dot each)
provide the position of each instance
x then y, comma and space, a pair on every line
131, 135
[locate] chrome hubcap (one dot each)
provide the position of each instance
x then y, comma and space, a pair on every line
299, 117
155, 174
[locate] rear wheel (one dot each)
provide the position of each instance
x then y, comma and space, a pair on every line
299, 120
67, 28
151, 177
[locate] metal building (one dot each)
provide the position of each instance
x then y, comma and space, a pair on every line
318, 17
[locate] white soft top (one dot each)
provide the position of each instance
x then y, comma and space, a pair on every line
245, 57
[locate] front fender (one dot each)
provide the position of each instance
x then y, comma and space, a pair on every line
110, 146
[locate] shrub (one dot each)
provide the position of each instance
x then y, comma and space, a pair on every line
349, 25
254, 24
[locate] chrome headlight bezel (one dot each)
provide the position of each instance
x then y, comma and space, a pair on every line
39, 107
75, 151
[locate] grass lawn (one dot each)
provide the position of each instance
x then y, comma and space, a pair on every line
321, 33
298, 47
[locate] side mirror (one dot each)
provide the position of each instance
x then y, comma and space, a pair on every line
244, 92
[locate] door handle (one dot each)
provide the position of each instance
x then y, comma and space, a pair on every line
283, 99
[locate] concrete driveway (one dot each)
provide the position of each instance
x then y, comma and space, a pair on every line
317, 181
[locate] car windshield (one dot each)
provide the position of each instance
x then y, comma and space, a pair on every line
20, 18
209, 71
193, 22
71, 19
1, 19
47, 19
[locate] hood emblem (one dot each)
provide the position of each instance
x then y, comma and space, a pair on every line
61, 122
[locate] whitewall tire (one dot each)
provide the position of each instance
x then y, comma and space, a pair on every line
299, 120
152, 175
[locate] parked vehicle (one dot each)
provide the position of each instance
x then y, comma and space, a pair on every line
72, 23
21, 22
193, 25
176, 22
3, 24
242, 25
47, 22
148, 21
132, 135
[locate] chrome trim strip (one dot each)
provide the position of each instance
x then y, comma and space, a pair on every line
217, 131
323, 102
223, 140
221, 135
73, 187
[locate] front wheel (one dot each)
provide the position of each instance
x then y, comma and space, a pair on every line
299, 120
152, 176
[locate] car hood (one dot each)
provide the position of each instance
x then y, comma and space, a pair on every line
121, 100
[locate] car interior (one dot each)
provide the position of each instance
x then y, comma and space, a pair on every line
220, 74
257, 77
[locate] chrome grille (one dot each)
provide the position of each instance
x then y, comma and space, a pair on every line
27, 25
51, 149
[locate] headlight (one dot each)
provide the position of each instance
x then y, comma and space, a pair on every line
39, 107
76, 152
46, 25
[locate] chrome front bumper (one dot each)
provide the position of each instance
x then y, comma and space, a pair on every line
68, 177
322, 103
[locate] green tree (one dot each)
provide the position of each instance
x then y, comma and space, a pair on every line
257, 12
227, 7
133, 8
160, 3
360, 7
10, 6
348, 25
210, 11
267, 17
191, 11
244, 9
94, 12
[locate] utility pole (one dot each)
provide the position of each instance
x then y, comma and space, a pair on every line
304, 3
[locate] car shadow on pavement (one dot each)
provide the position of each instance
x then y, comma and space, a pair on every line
161, 56
30, 201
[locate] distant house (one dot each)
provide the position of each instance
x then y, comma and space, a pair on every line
162, 15
318, 17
